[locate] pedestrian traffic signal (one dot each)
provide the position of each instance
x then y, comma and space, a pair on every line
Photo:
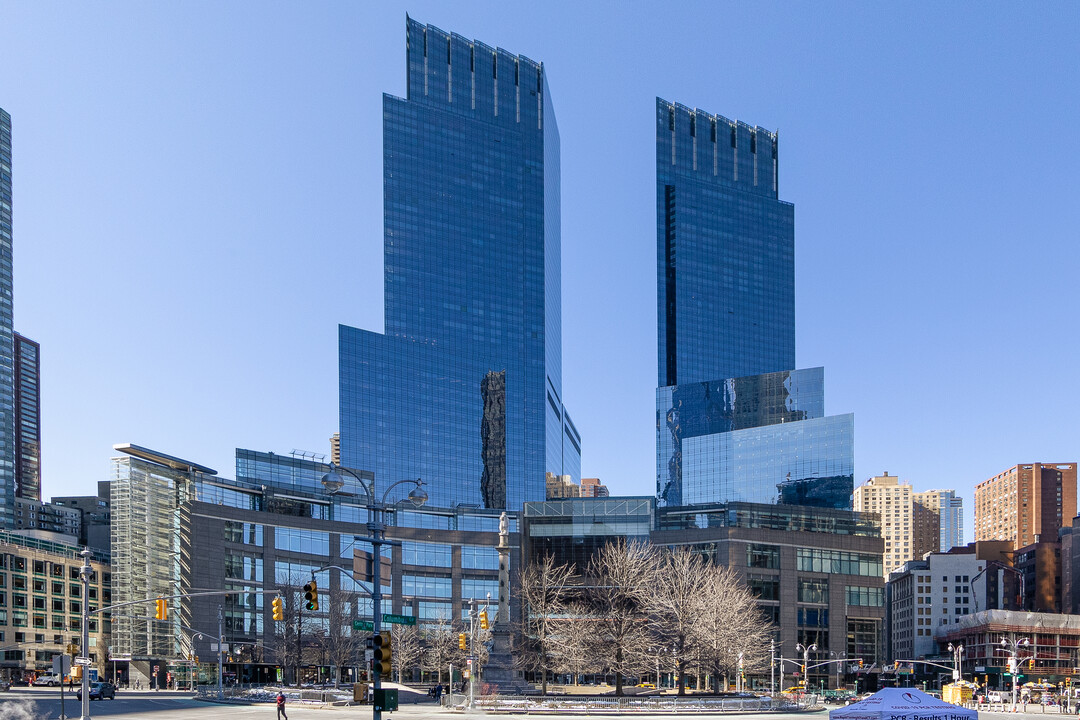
483, 620
462, 641
311, 594
383, 654
278, 609
161, 611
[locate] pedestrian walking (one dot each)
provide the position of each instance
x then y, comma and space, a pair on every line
281, 706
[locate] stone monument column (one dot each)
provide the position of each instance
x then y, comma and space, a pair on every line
503, 618
500, 665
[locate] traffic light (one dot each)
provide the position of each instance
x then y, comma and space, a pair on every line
1031, 663
462, 641
311, 594
483, 620
278, 609
860, 663
161, 611
383, 652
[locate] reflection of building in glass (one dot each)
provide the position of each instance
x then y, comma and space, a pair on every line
464, 389
726, 332
592, 487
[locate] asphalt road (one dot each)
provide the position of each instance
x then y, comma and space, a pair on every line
44, 704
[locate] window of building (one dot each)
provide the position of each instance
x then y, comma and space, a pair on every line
763, 556
813, 591
766, 587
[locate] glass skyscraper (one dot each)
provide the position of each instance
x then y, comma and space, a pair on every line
464, 389
734, 421
8, 444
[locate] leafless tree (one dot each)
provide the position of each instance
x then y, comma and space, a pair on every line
288, 638
729, 623
616, 590
681, 581
574, 649
543, 598
408, 648
441, 643
338, 645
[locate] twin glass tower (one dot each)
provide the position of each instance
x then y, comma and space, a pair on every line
734, 420
464, 388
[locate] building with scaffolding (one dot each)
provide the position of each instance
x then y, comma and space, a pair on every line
1050, 655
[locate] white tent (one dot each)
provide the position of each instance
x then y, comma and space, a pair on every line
902, 704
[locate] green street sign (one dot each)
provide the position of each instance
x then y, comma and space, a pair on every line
362, 625
398, 619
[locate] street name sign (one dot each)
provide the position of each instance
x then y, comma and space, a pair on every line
399, 619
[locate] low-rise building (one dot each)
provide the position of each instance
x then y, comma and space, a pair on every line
41, 604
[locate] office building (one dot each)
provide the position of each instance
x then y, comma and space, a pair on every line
41, 613
1026, 503
464, 389
924, 596
816, 571
179, 526
27, 418
1039, 564
9, 444
938, 523
886, 496
734, 420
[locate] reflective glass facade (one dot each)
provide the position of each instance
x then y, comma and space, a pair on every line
801, 463
725, 250
694, 409
464, 389
8, 443
27, 386
734, 421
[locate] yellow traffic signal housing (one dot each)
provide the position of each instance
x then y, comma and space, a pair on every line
462, 641
1031, 663
311, 594
277, 606
383, 652
483, 620
161, 611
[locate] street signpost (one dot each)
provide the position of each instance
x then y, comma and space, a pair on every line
363, 625
399, 619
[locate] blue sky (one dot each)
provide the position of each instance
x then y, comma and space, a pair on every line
198, 204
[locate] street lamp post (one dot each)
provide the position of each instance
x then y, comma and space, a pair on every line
805, 662
841, 657
1013, 663
334, 482
958, 652
84, 574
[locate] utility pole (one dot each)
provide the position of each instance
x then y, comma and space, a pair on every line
299, 640
220, 640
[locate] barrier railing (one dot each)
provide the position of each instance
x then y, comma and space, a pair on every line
592, 705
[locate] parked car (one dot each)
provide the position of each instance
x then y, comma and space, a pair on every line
5, 685
100, 691
994, 697
47, 679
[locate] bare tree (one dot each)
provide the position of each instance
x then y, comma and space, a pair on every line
616, 592
574, 651
338, 645
729, 623
681, 581
287, 646
408, 648
543, 597
441, 644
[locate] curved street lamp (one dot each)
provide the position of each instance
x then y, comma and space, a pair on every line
958, 654
1013, 653
334, 482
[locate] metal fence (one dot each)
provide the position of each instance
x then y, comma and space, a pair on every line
593, 705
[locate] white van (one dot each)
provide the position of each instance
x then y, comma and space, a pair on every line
48, 679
